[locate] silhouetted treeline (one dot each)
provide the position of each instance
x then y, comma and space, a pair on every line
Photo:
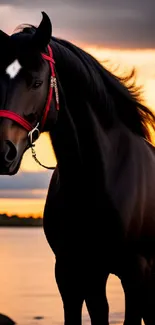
16, 221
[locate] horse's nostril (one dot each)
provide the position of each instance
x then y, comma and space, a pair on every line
11, 151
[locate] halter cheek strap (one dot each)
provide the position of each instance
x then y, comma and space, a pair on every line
53, 86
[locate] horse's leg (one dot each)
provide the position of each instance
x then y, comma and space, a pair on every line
69, 285
149, 297
132, 279
96, 300
64, 244
132, 304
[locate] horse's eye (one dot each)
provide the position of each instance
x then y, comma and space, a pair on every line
37, 84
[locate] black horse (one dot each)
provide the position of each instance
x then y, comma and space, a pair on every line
99, 215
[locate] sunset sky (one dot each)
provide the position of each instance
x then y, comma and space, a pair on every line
120, 31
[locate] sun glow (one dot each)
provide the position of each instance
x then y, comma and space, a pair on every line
22, 207
123, 61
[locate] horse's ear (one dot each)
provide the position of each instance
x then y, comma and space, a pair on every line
43, 33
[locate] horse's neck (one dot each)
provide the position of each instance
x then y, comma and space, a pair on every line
66, 146
80, 141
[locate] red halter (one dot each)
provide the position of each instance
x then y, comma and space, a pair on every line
53, 85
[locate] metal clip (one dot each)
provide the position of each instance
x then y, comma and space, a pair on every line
31, 133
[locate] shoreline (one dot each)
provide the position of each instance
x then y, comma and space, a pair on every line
17, 221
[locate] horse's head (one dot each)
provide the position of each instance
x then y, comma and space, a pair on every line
26, 68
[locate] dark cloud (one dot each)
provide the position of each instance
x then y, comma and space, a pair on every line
117, 23
25, 181
23, 194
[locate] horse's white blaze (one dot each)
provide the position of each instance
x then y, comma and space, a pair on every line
13, 69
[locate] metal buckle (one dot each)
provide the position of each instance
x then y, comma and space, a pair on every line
31, 133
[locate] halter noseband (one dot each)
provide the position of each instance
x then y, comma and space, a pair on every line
53, 85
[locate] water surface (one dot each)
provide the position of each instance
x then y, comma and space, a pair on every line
27, 284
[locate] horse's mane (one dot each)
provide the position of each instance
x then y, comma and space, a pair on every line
125, 96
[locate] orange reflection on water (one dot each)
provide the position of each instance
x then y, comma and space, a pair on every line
27, 281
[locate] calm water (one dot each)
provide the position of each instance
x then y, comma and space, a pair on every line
27, 283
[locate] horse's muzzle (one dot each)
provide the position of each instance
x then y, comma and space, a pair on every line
8, 154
